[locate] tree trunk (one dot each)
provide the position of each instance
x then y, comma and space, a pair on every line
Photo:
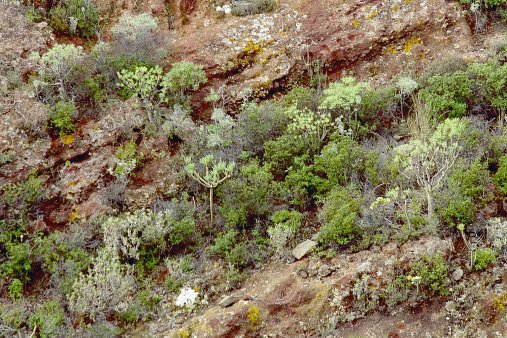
431, 220
211, 204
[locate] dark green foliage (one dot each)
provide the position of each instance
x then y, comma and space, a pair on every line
378, 103
61, 117
433, 271
343, 160
448, 94
500, 178
19, 197
53, 251
18, 263
248, 194
48, 319
490, 84
83, 11
301, 185
280, 153
458, 200
338, 216
484, 257
15, 289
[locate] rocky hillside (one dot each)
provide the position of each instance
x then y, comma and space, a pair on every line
254, 168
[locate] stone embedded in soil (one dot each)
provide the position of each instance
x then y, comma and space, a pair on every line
303, 248
457, 274
324, 270
231, 299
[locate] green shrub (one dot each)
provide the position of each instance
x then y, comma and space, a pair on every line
127, 160
433, 272
484, 257
182, 78
15, 289
61, 117
286, 224
61, 73
19, 197
301, 185
500, 178
105, 288
75, 17
338, 216
224, 243
448, 94
458, 200
13, 315
48, 319
340, 159
18, 263
490, 83
281, 152
249, 194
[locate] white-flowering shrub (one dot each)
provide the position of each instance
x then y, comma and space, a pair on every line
128, 232
106, 288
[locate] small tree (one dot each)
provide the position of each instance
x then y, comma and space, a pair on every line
214, 174
56, 67
344, 96
143, 82
429, 162
183, 77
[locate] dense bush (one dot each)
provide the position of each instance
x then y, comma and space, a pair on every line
247, 196
338, 216
448, 94
104, 289
75, 17
61, 117
432, 271
48, 319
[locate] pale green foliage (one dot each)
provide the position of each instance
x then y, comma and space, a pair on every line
184, 76
105, 288
429, 161
219, 132
214, 174
285, 227
128, 232
344, 96
406, 85
143, 82
56, 65
134, 27
48, 319
126, 161
312, 126
153, 88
